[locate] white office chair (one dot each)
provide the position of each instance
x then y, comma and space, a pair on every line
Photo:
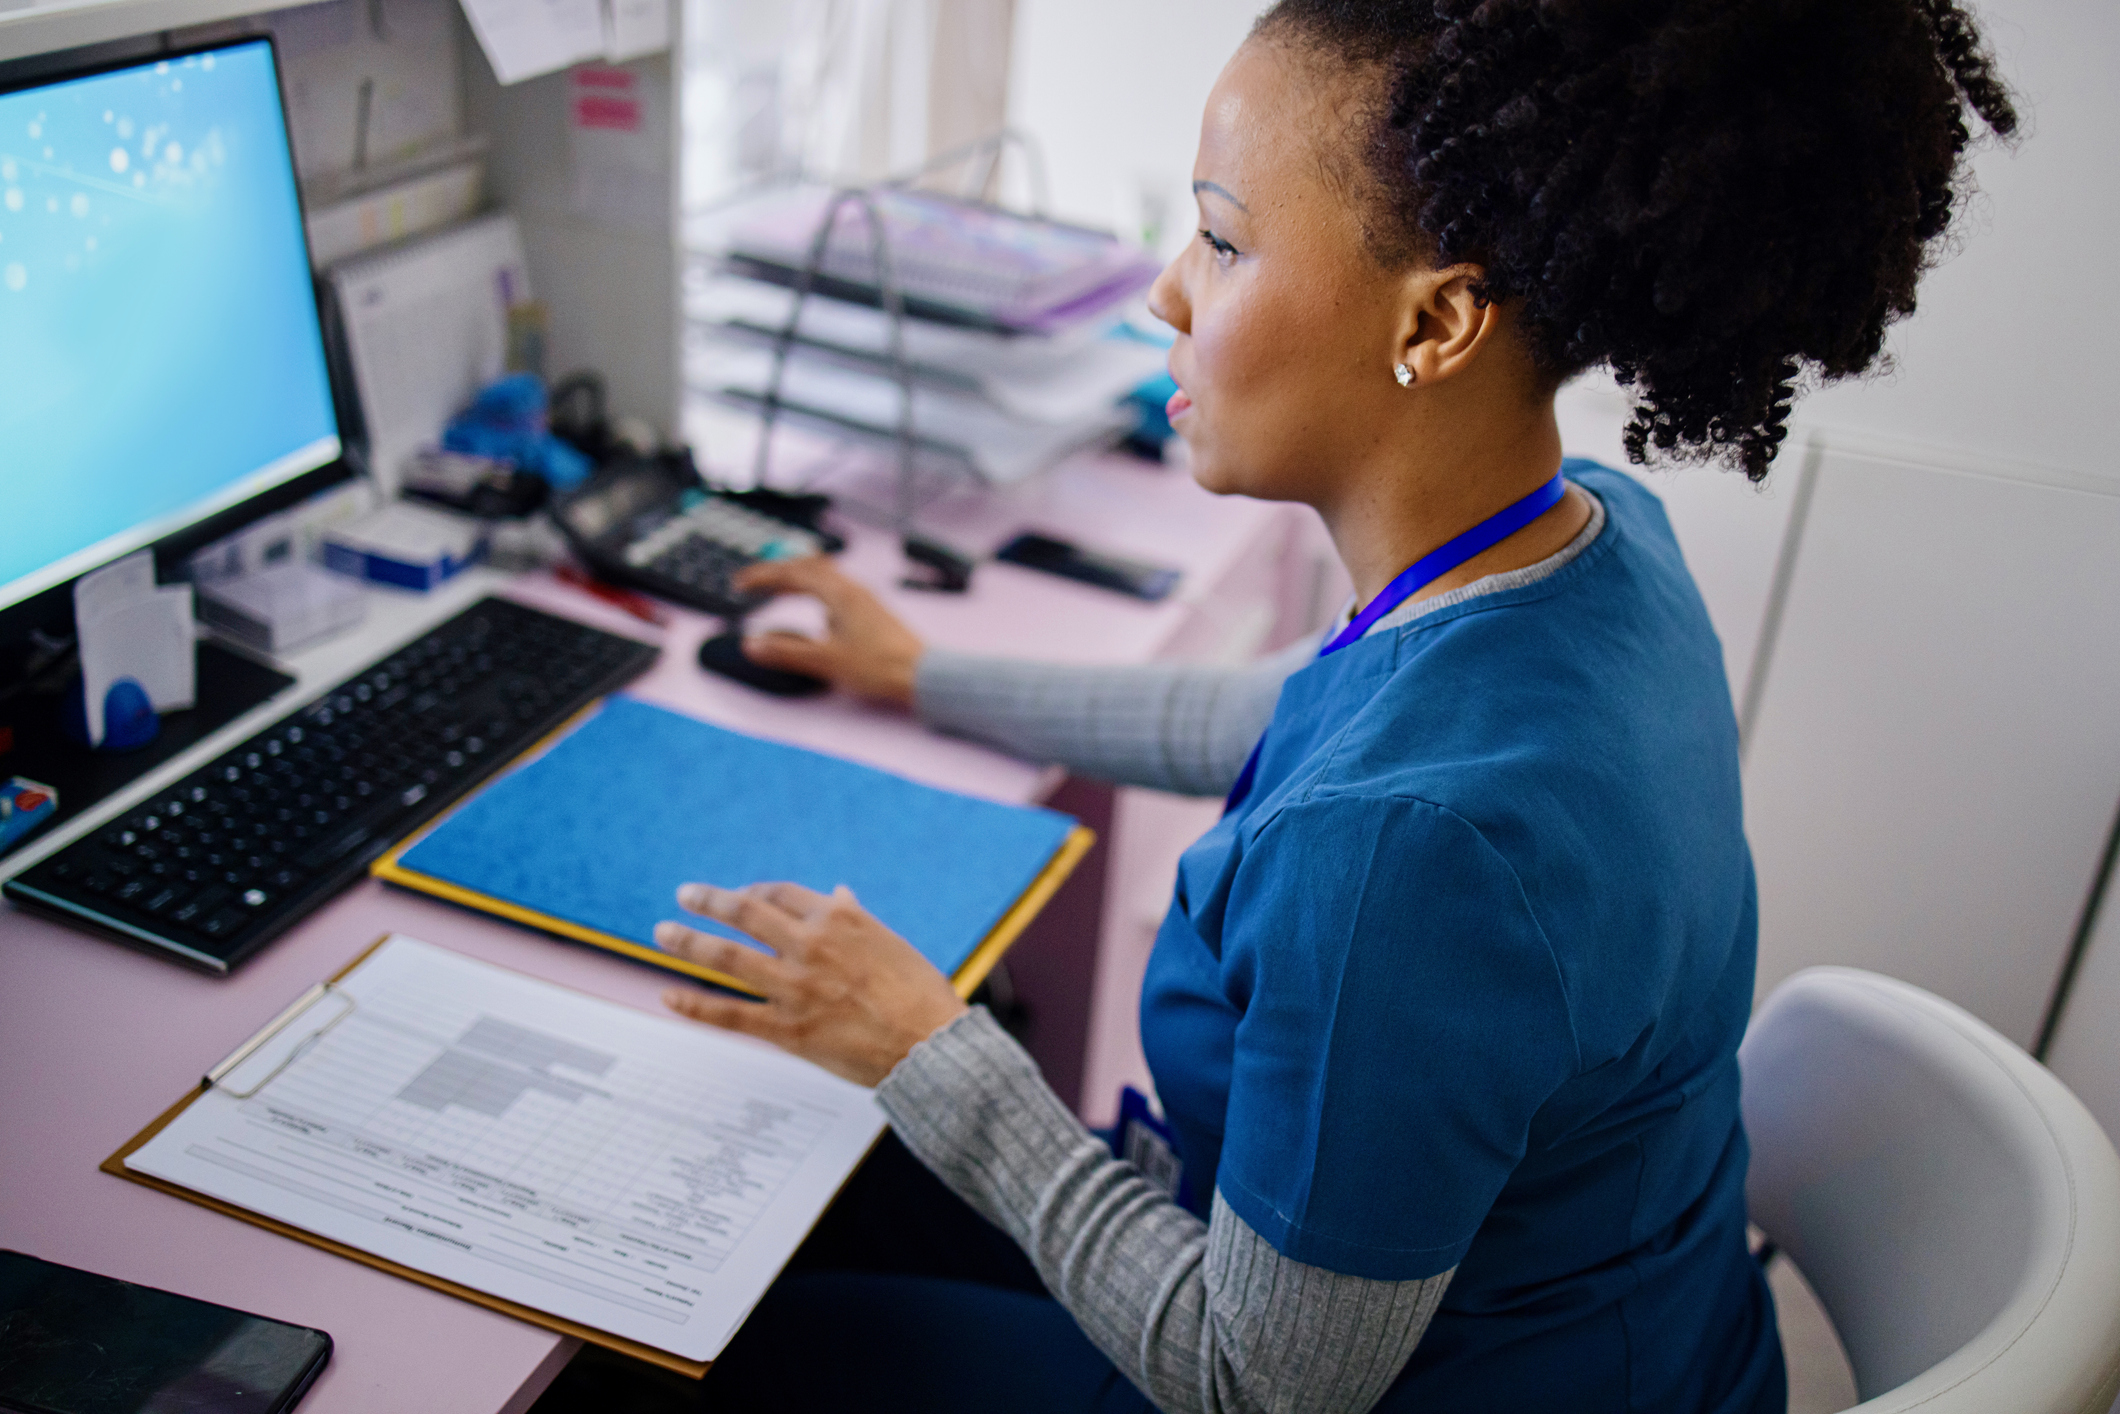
1955, 1208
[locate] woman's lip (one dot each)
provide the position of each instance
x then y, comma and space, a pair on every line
1178, 403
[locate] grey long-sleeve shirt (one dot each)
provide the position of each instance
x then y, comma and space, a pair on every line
1201, 1316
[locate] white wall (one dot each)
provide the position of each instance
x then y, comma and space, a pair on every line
2086, 1050
2009, 357
1114, 92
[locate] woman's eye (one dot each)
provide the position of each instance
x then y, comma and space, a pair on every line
1216, 244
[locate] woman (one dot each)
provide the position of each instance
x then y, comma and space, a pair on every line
1446, 1007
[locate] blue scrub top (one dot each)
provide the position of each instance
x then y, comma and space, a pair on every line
1461, 982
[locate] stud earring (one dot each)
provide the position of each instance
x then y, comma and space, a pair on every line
1404, 374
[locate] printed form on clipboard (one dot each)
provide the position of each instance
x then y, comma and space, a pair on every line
426, 327
626, 1178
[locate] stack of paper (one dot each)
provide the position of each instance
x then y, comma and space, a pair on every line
953, 261
1016, 335
345, 218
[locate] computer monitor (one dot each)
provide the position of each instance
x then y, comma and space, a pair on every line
161, 365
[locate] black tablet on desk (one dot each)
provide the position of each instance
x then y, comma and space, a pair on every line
72, 1342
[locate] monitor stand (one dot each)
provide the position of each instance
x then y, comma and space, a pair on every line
229, 685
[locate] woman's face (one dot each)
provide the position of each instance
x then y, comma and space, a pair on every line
1286, 324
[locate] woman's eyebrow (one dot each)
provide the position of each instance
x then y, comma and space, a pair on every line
1222, 192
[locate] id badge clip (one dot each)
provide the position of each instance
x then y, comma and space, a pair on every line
1150, 1145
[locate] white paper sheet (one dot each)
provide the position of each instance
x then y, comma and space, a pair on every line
637, 27
525, 38
635, 1173
130, 628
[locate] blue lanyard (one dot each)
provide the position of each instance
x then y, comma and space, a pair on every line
1418, 576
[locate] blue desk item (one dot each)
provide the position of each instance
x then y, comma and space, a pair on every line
129, 718
591, 840
507, 420
24, 805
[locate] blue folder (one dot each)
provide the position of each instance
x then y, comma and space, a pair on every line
592, 838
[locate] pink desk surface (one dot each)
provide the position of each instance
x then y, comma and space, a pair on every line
96, 1040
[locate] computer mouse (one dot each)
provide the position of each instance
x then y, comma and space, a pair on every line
724, 655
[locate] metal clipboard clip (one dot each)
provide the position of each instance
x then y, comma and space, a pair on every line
273, 1031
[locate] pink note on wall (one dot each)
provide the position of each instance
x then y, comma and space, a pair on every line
604, 99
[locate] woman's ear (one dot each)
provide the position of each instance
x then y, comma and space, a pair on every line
1445, 326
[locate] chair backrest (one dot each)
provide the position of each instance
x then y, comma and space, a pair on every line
1955, 1208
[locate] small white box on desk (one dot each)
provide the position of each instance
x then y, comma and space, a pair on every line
410, 546
282, 608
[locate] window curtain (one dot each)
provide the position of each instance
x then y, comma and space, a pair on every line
869, 88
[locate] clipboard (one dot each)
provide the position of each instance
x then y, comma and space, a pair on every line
391, 868
115, 1165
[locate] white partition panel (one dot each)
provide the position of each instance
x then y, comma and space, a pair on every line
2085, 1051
1933, 768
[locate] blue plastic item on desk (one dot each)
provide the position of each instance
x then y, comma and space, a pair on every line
24, 805
129, 718
507, 421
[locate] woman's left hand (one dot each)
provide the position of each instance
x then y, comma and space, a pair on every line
840, 989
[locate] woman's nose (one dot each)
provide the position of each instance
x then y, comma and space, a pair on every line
1166, 298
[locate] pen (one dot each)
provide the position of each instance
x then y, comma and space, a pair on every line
639, 606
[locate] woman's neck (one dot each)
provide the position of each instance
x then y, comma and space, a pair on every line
1389, 512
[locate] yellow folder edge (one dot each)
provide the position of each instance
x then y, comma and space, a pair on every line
391, 870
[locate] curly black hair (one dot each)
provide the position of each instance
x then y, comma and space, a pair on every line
1715, 198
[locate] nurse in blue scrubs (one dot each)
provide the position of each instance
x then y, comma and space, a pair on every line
1445, 1010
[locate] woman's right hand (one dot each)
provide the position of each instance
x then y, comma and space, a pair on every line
866, 650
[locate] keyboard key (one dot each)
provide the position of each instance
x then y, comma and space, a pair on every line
199, 906
222, 924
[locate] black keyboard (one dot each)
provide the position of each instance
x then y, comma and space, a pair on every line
218, 864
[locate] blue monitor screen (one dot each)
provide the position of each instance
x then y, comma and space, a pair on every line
159, 351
